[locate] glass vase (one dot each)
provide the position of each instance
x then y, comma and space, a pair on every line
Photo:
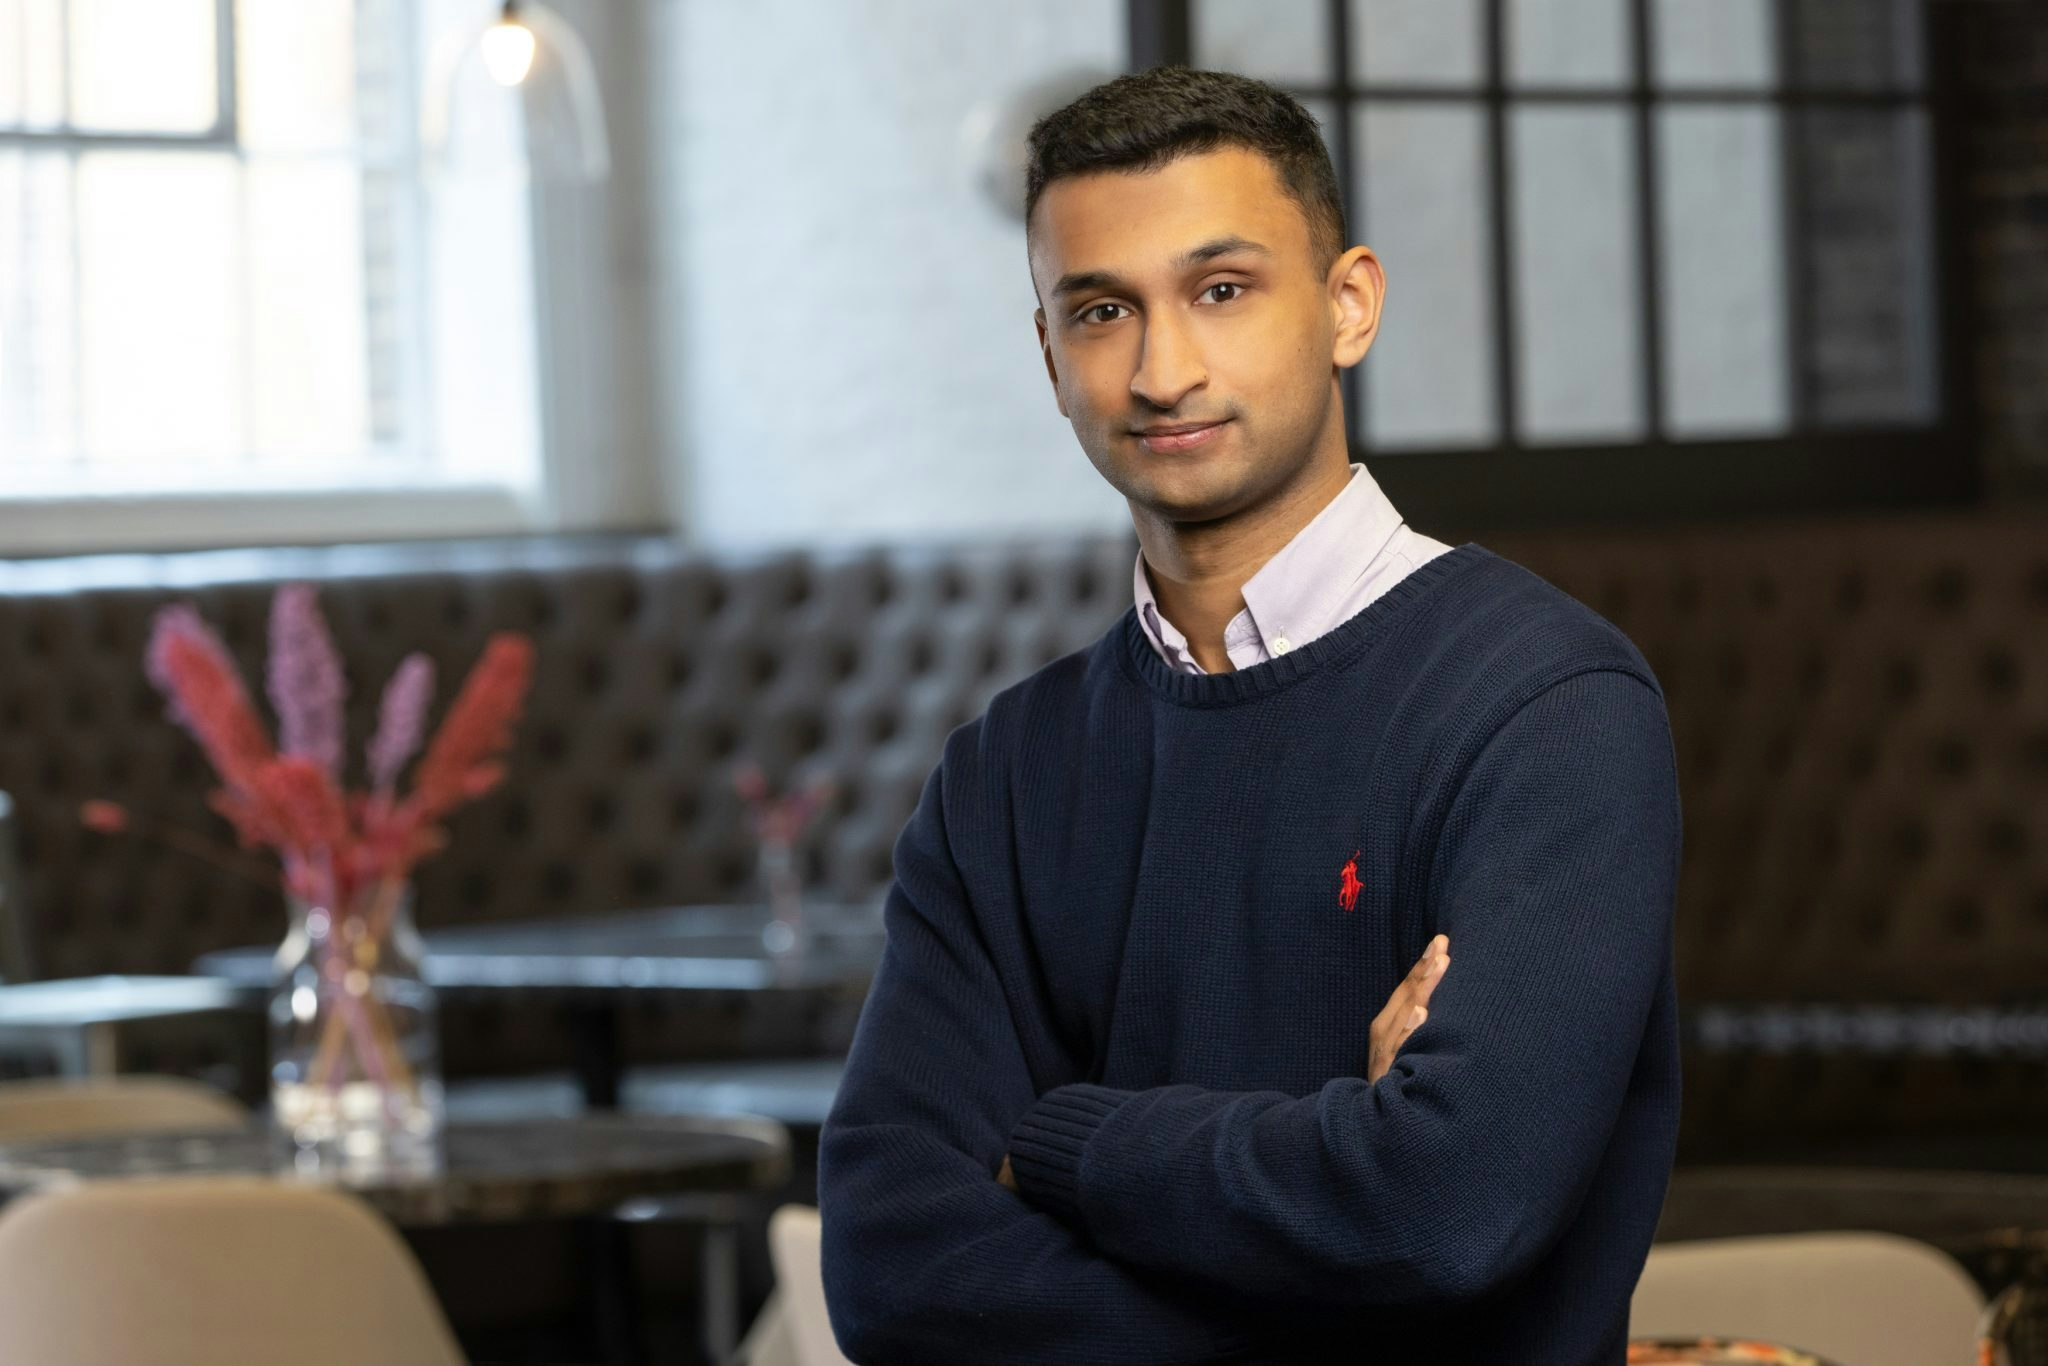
355, 1069
785, 935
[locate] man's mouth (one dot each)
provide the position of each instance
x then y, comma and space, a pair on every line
1179, 436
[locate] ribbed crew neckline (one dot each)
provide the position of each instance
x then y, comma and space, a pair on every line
1269, 676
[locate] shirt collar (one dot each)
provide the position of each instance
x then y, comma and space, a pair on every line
1295, 592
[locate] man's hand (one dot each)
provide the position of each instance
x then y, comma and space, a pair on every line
1406, 1008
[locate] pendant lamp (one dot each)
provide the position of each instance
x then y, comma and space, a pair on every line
531, 55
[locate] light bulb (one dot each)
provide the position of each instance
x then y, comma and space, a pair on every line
508, 51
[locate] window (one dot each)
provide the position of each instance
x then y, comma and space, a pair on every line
1644, 257
223, 269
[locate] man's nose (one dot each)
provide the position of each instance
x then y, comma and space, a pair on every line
1169, 365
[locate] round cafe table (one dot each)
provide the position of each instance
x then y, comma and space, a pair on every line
524, 1169
598, 1169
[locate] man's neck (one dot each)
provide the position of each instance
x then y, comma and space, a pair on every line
1198, 572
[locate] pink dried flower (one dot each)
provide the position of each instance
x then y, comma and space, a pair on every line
779, 818
105, 817
478, 726
192, 668
401, 721
331, 841
307, 805
307, 686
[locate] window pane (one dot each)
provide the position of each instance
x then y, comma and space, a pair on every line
295, 68
1568, 42
37, 380
159, 312
307, 395
1723, 246
1429, 376
1578, 319
482, 302
31, 63
392, 280
1861, 44
1867, 267
1714, 42
1286, 44
143, 65
1417, 42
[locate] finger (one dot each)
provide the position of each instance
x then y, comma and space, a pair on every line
1413, 1023
1412, 991
1411, 994
1384, 1050
1439, 969
1436, 946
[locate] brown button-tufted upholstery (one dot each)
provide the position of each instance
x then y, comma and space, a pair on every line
656, 670
1861, 715
1860, 708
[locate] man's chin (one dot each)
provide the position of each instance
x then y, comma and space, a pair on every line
1192, 498
1205, 484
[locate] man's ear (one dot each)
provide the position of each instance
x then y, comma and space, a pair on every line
1358, 288
1045, 349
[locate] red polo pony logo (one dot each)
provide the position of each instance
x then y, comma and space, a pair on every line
1347, 894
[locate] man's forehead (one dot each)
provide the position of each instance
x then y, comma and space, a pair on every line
1127, 222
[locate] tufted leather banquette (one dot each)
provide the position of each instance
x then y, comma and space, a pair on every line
656, 671
1860, 707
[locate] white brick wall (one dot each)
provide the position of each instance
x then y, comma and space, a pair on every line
846, 333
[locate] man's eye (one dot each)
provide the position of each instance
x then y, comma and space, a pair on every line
1226, 284
1088, 314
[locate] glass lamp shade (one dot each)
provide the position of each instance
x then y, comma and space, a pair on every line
524, 77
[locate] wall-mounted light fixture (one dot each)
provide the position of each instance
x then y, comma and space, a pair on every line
529, 53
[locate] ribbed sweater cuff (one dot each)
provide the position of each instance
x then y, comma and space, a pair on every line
1047, 1145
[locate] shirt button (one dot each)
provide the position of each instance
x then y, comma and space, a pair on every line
1281, 645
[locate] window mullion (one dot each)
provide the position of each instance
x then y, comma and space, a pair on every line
1647, 244
1506, 379
226, 110
1792, 208
1350, 190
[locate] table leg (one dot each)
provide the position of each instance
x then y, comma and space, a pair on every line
102, 1050
614, 1295
721, 1266
71, 1050
719, 1218
596, 1052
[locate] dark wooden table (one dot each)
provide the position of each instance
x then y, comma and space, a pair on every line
519, 1169
600, 965
79, 1021
599, 1170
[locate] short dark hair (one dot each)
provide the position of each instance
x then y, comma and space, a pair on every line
1145, 119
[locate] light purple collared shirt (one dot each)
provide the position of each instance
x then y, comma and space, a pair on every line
1352, 551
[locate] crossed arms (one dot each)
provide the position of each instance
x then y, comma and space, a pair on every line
1157, 1224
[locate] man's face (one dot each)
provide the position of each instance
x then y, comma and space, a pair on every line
1190, 295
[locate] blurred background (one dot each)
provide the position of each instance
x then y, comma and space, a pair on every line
691, 339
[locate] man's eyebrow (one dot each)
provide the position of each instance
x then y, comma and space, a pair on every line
1076, 281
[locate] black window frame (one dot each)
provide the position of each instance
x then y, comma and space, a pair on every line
1511, 486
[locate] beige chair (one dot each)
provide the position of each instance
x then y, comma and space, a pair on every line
792, 1328
770, 1341
1861, 1299
211, 1271
113, 1105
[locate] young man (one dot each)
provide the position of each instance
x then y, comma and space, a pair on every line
1126, 1086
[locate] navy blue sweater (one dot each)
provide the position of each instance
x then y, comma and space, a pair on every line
1122, 949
